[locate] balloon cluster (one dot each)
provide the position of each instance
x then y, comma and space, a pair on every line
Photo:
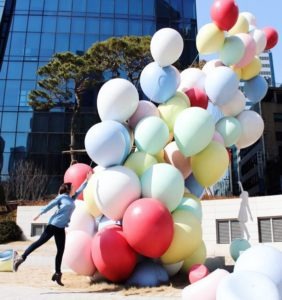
154, 158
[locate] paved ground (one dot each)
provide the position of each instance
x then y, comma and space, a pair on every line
32, 281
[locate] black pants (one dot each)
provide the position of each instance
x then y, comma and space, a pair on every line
60, 238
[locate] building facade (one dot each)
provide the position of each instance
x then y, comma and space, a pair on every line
32, 31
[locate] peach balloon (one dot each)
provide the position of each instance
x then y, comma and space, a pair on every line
250, 49
173, 156
217, 137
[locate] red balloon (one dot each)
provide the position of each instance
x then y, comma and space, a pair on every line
148, 227
271, 37
224, 13
197, 97
112, 255
76, 174
197, 272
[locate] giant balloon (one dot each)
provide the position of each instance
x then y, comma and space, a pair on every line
271, 37
235, 105
197, 97
232, 50
255, 89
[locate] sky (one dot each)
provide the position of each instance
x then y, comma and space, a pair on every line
267, 13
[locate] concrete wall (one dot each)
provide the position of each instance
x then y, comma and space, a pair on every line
213, 210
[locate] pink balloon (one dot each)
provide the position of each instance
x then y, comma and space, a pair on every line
250, 49
77, 255
112, 255
173, 156
197, 272
271, 37
217, 137
76, 174
145, 109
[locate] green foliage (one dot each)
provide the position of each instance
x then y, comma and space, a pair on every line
9, 231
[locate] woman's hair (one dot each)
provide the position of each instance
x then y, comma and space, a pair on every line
65, 188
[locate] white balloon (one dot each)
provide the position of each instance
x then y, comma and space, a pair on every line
166, 46
210, 65
252, 126
263, 259
235, 105
82, 220
250, 17
114, 189
260, 38
117, 100
192, 78
247, 285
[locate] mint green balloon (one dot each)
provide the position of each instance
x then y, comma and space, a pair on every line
139, 162
232, 50
237, 246
192, 204
193, 130
151, 135
163, 182
230, 129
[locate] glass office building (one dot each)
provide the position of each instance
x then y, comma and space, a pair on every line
32, 31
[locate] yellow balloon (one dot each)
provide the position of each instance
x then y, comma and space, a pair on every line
237, 71
88, 196
209, 39
186, 238
241, 26
251, 70
197, 257
139, 162
160, 157
209, 165
171, 108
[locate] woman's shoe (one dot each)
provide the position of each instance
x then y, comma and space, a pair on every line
17, 262
57, 277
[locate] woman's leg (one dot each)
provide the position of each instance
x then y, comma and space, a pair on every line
60, 239
45, 236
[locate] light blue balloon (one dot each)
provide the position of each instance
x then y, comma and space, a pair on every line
159, 84
230, 129
194, 187
107, 143
237, 246
192, 205
255, 89
221, 84
232, 50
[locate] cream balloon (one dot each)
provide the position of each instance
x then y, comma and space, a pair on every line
252, 128
260, 38
236, 105
241, 26
249, 17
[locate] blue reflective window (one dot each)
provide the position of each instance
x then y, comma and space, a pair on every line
49, 24
22, 5
107, 6
93, 6
17, 44
177, 7
24, 121
107, 27
149, 28
9, 139
148, 8
21, 139
65, 5
4, 68
26, 87
135, 7
14, 70
189, 9
79, 5
9, 121
12, 93
36, 4
47, 44
90, 39
51, 5
20, 23
92, 26
77, 25
135, 27
121, 7
62, 42
29, 70
77, 43
32, 44
34, 23
2, 90
121, 27
63, 24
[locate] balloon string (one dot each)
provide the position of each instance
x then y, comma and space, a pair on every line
194, 60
